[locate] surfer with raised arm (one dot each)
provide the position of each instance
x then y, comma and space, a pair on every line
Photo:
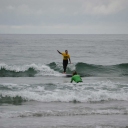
66, 56
76, 77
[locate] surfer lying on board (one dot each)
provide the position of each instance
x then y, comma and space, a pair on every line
76, 77
66, 56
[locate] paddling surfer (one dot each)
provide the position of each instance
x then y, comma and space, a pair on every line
76, 77
66, 56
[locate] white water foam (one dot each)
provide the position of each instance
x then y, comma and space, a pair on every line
68, 92
43, 70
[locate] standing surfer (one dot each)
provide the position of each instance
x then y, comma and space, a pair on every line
66, 56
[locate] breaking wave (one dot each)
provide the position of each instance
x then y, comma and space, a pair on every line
55, 69
63, 92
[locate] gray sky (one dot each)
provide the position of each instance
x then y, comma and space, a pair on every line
63, 16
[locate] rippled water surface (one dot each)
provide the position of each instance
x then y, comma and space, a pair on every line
34, 92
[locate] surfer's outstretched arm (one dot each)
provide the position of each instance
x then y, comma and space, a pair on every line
59, 52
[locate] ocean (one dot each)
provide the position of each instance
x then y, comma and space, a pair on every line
35, 94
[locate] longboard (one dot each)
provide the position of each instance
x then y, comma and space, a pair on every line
67, 75
70, 75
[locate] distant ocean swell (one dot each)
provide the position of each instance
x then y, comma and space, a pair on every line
63, 92
54, 69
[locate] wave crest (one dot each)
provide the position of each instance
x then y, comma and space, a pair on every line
54, 69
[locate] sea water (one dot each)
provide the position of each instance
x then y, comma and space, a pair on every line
35, 94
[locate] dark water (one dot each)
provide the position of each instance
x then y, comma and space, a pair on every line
34, 92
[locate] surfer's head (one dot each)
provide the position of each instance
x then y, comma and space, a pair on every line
66, 51
74, 73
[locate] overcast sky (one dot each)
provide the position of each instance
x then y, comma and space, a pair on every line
63, 16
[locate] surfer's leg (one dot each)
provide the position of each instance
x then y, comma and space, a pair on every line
65, 63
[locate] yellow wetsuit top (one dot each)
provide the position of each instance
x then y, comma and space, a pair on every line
65, 56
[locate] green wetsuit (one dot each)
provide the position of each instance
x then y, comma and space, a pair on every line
76, 78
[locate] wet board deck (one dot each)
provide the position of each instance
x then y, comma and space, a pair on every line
67, 75
70, 75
